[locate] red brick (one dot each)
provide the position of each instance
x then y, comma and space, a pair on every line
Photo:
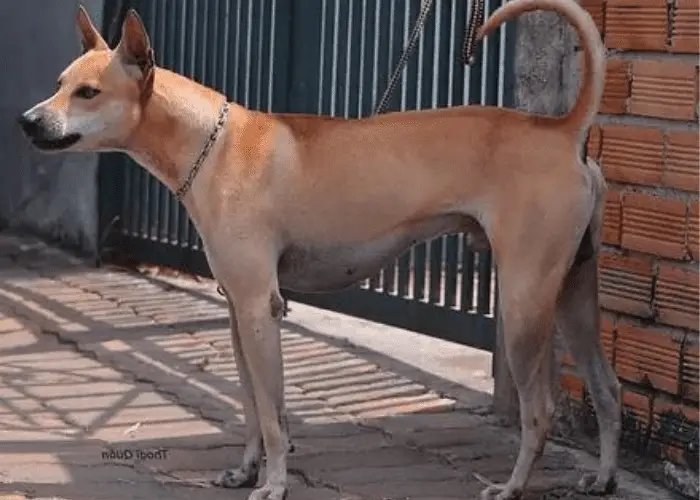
664, 89
685, 35
632, 154
690, 368
617, 87
647, 356
607, 337
612, 217
636, 24
596, 8
694, 230
676, 296
682, 159
654, 225
594, 142
573, 385
626, 284
637, 404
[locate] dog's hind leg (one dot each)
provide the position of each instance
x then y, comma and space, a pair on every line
531, 268
578, 320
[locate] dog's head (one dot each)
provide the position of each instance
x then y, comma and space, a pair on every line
99, 97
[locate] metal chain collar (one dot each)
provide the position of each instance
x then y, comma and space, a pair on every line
185, 187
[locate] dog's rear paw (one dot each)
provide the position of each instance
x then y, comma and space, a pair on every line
237, 478
593, 484
269, 492
500, 492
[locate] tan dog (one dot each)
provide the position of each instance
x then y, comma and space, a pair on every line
315, 204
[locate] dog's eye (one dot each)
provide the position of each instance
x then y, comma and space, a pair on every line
86, 92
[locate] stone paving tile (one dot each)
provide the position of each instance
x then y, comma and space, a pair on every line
107, 361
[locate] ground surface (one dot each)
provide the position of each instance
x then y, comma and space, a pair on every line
102, 369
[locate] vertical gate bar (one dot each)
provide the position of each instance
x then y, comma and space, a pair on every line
254, 63
492, 59
172, 63
225, 45
198, 66
145, 177
334, 60
153, 183
127, 212
212, 53
320, 108
350, 54
405, 29
451, 255
248, 44
420, 253
186, 35
271, 56
260, 47
484, 294
451, 55
361, 107
265, 38
436, 269
163, 14
376, 41
404, 274
467, 291
235, 60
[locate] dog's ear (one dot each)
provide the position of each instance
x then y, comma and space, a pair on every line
134, 49
89, 36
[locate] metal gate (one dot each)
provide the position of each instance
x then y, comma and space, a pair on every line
330, 57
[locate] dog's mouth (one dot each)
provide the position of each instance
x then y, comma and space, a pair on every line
56, 144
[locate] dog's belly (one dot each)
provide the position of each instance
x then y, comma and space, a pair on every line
318, 268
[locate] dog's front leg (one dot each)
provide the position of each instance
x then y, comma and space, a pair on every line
258, 312
246, 475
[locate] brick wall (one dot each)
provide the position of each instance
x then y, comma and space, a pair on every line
646, 141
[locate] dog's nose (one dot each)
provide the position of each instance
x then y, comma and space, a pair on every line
30, 123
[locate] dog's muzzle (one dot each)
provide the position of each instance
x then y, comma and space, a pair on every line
43, 132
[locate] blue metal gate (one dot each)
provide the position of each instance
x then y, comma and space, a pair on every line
330, 57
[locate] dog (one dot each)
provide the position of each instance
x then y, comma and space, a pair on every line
316, 204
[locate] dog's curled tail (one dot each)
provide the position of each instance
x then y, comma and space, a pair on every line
584, 111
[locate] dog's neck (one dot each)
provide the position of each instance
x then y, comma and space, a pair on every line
176, 124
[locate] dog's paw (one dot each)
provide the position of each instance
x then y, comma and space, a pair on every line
592, 484
237, 478
500, 492
269, 492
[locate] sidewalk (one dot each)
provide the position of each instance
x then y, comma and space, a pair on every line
119, 385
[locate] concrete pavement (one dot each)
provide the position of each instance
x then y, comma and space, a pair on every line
115, 385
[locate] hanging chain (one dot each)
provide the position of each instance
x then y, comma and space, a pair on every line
412, 41
476, 19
